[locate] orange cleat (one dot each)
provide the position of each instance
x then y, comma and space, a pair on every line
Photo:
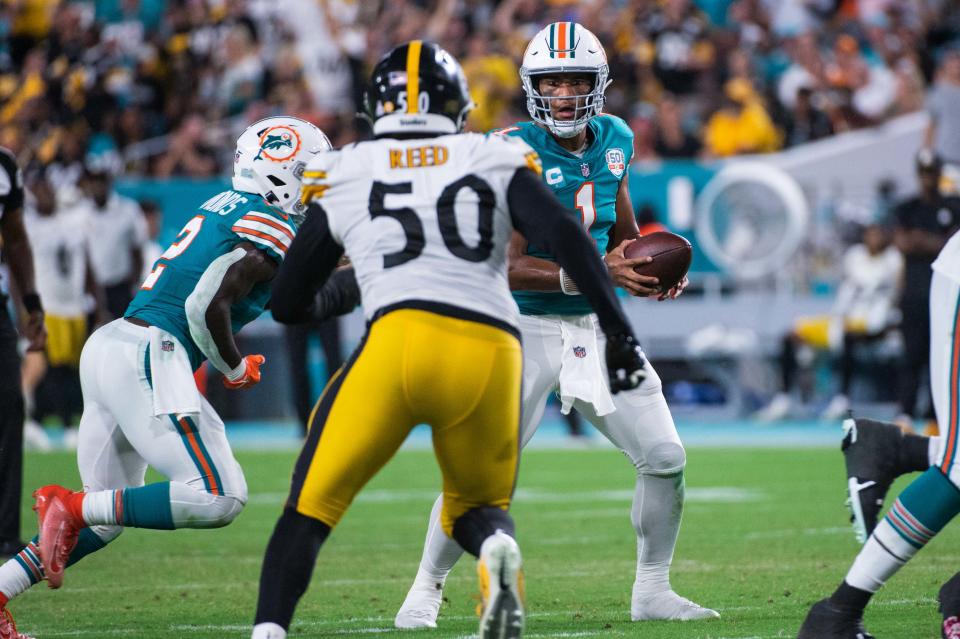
58, 531
8, 629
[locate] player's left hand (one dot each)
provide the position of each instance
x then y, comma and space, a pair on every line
676, 291
250, 375
35, 331
621, 271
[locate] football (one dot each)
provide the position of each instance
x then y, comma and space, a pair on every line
671, 255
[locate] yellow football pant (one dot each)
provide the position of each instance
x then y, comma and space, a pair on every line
65, 339
414, 367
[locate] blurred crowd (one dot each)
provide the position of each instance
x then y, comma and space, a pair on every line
157, 86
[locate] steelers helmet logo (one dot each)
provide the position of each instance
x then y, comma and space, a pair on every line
279, 143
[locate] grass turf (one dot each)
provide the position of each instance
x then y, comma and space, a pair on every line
764, 535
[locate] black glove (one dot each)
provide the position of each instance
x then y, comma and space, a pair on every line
624, 362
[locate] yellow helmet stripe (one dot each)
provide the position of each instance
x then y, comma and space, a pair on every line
413, 76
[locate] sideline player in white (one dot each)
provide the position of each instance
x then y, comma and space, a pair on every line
585, 156
141, 404
930, 501
425, 214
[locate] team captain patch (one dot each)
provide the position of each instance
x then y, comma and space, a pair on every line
615, 162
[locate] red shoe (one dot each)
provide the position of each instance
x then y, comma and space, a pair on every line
58, 531
8, 629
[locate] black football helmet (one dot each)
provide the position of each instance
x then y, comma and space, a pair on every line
417, 88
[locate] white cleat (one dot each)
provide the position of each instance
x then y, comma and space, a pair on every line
778, 408
668, 606
421, 607
501, 577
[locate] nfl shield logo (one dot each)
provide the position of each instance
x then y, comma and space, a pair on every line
615, 162
585, 170
166, 346
580, 352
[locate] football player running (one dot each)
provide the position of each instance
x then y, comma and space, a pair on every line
876, 453
426, 214
585, 156
141, 404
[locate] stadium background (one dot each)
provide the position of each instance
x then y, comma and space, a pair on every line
802, 117
770, 195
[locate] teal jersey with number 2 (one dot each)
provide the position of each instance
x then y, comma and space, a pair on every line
587, 185
219, 225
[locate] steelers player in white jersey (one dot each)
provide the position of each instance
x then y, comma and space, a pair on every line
924, 507
425, 215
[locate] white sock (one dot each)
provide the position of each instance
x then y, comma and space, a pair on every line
100, 507
14, 580
933, 450
268, 631
440, 553
880, 558
656, 512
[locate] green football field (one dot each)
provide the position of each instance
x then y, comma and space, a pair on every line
764, 534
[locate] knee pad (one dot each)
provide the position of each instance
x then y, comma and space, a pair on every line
224, 510
665, 458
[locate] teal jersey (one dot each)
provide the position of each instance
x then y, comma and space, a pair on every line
220, 224
587, 186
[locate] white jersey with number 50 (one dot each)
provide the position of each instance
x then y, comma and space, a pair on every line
424, 219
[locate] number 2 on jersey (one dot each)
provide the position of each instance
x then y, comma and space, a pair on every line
184, 238
583, 200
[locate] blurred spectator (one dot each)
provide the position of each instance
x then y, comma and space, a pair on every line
494, 84
862, 314
943, 105
682, 47
864, 91
807, 69
188, 153
922, 225
805, 123
672, 141
116, 231
741, 125
65, 282
242, 79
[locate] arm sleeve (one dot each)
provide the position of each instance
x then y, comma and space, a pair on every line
339, 296
311, 258
199, 301
539, 217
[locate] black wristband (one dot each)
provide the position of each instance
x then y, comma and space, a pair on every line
31, 302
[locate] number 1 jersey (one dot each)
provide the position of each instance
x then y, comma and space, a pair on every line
424, 220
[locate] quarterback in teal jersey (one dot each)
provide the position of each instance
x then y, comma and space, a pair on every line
141, 404
585, 156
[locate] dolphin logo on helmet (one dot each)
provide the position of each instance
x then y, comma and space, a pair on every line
270, 158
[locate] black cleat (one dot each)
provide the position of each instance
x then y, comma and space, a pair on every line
950, 608
826, 621
870, 450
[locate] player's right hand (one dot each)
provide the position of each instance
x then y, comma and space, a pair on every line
250, 375
621, 272
625, 363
